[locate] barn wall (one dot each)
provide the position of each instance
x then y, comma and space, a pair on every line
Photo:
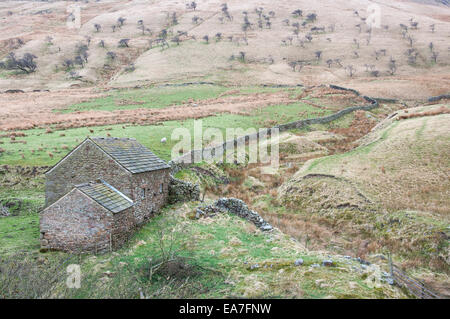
76, 223
85, 164
151, 200
123, 228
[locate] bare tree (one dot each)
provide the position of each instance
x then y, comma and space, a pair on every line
101, 43
377, 54
329, 63
242, 56
196, 19
318, 55
176, 39
292, 64
123, 43
82, 51
403, 27
163, 34
174, 19
411, 41
192, 5
312, 17
68, 64
111, 55
392, 67
350, 70
338, 62
434, 56
225, 12
79, 61
121, 21
297, 13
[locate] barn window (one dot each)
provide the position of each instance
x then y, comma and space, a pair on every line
161, 188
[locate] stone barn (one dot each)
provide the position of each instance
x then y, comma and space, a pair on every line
92, 217
121, 162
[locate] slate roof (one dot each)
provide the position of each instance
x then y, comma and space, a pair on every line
106, 195
130, 154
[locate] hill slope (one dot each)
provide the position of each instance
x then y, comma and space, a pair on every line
269, 47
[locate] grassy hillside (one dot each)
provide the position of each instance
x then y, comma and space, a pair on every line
221, 256
389, 194
269, 41
401, 164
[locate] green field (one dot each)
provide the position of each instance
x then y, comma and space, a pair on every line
38, 143
161, 97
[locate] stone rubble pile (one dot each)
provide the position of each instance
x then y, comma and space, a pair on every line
234, 206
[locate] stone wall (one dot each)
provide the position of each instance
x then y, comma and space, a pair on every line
86, 163
182, 191
216, 151
237, 207
4, 212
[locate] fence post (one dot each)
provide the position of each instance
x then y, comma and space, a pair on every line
391, 268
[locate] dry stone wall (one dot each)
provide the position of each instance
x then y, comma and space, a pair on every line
182, 191
216, 152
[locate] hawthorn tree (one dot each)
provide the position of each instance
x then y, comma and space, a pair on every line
121, 21
318, 55
123, 43
297, 13
392, 67
25, 64
350, 70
